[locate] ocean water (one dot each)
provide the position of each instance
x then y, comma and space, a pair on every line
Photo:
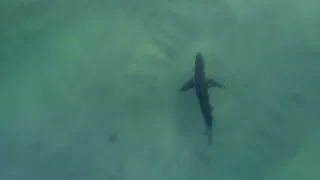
89, 89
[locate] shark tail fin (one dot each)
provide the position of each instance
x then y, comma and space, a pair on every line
208, 133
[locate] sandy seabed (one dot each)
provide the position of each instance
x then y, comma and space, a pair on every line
89, 90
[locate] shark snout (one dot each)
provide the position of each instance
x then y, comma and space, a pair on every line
199, 63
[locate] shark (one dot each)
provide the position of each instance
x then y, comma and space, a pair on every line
201, 84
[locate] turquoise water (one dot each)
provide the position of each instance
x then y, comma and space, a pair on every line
89, 90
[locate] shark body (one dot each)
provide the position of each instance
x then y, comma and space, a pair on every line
201, 84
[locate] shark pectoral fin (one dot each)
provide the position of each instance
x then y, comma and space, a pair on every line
188, 85
214, 83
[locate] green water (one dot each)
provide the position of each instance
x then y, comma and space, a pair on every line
89, 90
